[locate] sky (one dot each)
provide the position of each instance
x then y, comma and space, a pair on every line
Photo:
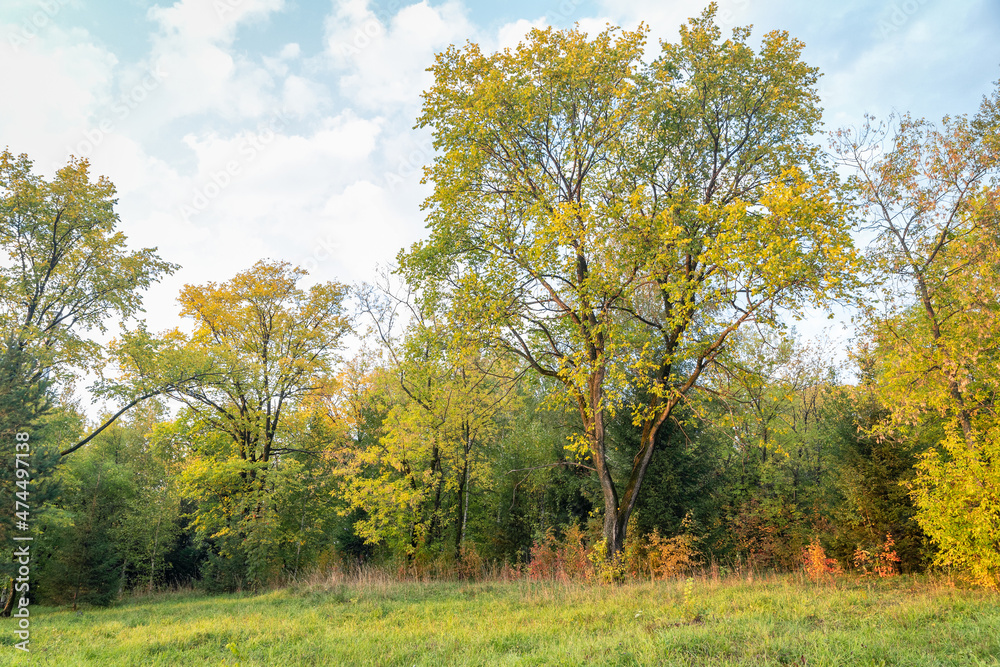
237, 130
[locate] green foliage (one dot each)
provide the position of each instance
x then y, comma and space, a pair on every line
79, 561
443, 399
114, 519
252, 446
22, 402
70, 270
150, 521
774, 426
66, 270
261, 521
684, 478
873, 477
271, 343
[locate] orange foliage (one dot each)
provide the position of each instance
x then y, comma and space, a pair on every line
881, 561
816, 563
577, 557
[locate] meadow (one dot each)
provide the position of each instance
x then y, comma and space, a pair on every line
706, 620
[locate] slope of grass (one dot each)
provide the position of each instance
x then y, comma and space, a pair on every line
777, 620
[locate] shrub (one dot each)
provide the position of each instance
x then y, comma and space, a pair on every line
671, 556
816, 563
470, 563
881, 560
579, 555
957, 494
770, 533
568, 558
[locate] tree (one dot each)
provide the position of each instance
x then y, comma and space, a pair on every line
444, 398
613, 223
150, 520
931, 200
148, 367
261, 352
267, 342
875, 473
67, 271
79, 560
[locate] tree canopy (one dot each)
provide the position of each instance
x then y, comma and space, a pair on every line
614, 223
70, 270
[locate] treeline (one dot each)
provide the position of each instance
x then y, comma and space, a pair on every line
377, 477
584, 370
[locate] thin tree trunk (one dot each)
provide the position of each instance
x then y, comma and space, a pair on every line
298, 548
152, 556
463, 492
9, 604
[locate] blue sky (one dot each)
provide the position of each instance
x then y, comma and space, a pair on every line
242, 129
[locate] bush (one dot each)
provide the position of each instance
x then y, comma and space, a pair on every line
957, 494
879, 560
581, 555
817, 565
770, 533
470, 563
565, 559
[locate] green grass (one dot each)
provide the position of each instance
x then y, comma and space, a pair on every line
771, 621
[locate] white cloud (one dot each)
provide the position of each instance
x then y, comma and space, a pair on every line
200, 21
510, 35
262, 193
135, 173
936, 61
362, 229
386, 64
278, 65
55, 82
193, 47
301, 96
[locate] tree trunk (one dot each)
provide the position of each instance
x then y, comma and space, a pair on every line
463, 509
298, 547
433, 532
9, 604
618, 512
152, 556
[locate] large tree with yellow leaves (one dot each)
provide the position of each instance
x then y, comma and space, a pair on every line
615, 223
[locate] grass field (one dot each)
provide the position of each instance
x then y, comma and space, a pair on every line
701, 621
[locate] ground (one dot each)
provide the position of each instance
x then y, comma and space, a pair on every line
729, 620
